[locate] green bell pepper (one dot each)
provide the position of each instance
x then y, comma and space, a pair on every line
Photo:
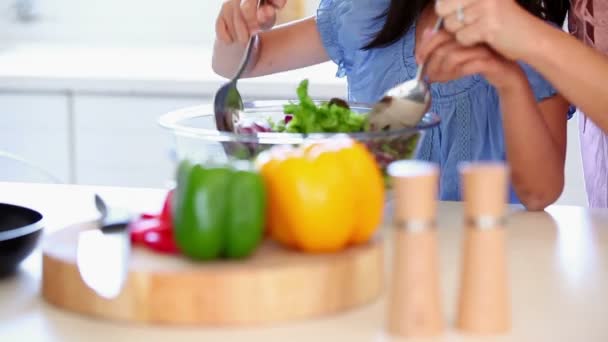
218, 212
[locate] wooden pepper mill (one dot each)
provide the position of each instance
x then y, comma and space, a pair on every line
414, 306
484, 302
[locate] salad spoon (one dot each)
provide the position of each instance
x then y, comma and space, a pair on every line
405, 104
228, 102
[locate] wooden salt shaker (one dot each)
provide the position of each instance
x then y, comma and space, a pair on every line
414, 306
484, 302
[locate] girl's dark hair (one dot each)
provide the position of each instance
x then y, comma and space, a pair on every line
401, 15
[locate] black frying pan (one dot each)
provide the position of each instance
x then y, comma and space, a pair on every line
20, 230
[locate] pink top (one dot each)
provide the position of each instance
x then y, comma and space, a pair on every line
588, 21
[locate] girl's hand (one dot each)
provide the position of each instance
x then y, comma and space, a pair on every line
502, 24
446, 60
239, 19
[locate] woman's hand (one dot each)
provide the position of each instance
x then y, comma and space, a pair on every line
447, 59
239, 19
502, 24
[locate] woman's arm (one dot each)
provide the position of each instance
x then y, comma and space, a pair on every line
535, 133
577, 71
287, 47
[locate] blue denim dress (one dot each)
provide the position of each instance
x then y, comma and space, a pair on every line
471, 122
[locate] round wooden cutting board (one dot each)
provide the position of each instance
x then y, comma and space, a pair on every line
272, 286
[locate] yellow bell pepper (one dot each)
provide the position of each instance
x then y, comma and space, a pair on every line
322, 197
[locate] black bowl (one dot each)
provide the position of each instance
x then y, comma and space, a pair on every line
20, 230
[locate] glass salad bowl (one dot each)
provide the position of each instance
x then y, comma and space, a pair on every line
197, 139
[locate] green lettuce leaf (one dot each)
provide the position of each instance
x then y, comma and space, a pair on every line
308, 117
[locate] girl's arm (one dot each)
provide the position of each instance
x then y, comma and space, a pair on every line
577, 71
535, 139
535, 133
287, 47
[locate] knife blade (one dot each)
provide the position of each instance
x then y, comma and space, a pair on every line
102, 255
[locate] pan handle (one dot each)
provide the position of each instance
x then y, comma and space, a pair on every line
30, 165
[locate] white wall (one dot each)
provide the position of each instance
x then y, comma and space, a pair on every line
574, 189
116, 21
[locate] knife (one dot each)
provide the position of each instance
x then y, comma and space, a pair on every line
102, 254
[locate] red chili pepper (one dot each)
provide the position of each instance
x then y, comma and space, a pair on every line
161, 241
155, 231
139, 227
154, 234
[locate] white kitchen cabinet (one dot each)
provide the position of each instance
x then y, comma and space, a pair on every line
118, 141
34, 127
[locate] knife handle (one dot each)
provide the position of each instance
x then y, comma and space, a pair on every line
115, 221
115, 227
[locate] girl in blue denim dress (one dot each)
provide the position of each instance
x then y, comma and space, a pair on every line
490, 108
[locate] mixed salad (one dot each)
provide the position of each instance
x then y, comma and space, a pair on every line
304, 117
333, 116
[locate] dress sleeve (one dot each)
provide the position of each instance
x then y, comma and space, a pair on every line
541, 87
330, 21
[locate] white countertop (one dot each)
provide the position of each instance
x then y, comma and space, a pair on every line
558, 268
172, 70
